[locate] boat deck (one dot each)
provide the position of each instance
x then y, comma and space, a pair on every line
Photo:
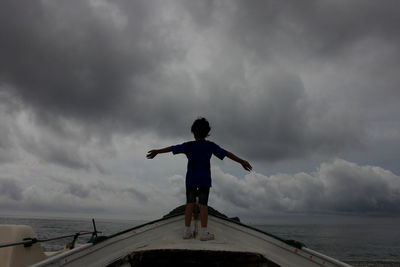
161, 241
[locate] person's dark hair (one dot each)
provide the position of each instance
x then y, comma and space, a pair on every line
201, 128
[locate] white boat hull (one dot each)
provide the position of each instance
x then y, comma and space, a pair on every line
165, 236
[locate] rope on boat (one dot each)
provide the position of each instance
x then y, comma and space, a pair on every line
29, 241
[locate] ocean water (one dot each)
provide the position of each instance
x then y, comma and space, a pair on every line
350, 242
363, 239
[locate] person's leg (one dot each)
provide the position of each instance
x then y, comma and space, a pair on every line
188, 213
203, 215
190, 203
203, 201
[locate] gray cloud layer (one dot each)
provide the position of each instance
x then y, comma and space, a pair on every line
67, 196
337, 186
133, 66
281, 82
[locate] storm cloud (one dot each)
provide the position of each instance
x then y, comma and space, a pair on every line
90, 86
147, 65
9, 188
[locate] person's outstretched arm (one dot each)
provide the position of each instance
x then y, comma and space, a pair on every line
152, 153
246, 165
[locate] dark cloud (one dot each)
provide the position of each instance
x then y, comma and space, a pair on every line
69, 59
78, 190
138, 195
7, 143
252, 68
271, 117
323, 30
57, 152
9, 188
353, 47
94, 190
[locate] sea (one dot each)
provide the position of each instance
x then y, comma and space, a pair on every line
362, 239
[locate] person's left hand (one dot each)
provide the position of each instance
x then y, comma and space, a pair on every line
246, 165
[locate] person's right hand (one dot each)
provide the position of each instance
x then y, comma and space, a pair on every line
246, 165
151, 154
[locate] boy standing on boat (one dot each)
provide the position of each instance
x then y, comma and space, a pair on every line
198, 176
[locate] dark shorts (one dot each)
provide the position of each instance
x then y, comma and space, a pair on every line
193, 192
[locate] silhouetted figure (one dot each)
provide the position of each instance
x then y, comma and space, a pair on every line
198, 176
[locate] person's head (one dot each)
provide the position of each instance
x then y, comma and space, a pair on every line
201, 128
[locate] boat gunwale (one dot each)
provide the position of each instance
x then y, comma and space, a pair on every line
62, 255
102, 240
326, 257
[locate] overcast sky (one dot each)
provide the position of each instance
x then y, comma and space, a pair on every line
306, 91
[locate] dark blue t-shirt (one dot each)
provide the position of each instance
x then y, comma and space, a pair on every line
199, 154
